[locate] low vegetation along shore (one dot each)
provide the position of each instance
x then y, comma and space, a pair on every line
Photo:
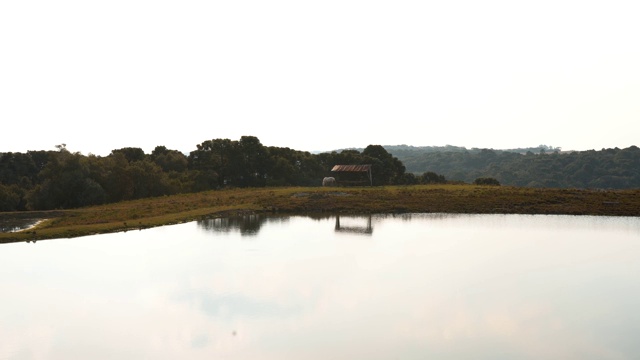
151, 212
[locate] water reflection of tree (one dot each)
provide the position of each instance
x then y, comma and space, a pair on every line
250, 225
246, 225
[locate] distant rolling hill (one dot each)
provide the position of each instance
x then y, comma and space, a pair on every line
542, 166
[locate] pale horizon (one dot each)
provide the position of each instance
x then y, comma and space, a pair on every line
318, 76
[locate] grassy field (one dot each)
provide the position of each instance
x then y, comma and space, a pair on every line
165, 210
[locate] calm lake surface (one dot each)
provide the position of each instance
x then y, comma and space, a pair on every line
420, 286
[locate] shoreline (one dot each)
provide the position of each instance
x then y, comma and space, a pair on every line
452, 199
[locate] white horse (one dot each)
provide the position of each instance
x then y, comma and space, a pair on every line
329, 181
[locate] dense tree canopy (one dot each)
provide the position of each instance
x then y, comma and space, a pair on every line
61, 179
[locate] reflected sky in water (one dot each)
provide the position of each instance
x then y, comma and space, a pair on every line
409, 286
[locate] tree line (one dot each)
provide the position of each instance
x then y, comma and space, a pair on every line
547, 167
60, 179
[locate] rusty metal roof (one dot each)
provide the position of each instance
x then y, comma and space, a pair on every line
352, 168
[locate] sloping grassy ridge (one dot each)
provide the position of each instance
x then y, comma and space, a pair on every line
166, 210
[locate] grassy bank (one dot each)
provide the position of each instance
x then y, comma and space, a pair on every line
165, 210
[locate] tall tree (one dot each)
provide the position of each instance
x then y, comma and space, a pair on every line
66, 183
388, 169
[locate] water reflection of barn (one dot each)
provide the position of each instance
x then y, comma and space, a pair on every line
367, 229
353, 174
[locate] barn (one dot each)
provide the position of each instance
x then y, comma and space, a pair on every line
353, 174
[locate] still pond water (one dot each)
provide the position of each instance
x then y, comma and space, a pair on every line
384, 287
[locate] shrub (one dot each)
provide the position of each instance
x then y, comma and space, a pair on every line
487, 181
430, 177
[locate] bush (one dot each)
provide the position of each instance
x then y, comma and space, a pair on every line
9, 198
430, 177
487, 181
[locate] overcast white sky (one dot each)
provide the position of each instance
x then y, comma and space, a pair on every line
318, 75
